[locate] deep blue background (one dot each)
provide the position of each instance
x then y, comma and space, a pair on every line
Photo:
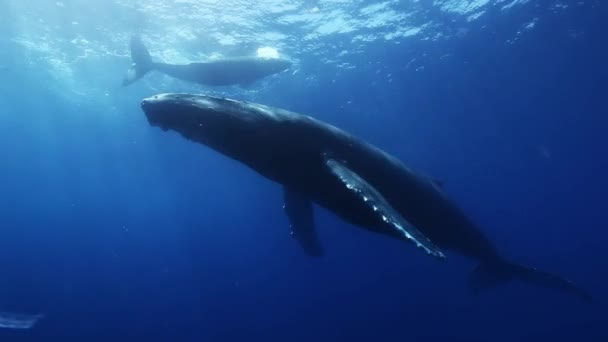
117, 231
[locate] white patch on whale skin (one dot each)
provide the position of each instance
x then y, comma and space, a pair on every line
379, 204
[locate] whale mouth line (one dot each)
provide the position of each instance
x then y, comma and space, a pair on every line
157, 123
153, 119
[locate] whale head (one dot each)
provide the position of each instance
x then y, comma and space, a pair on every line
228, 126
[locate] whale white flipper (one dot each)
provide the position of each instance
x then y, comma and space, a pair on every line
380, 205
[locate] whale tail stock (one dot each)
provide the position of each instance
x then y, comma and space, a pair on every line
491, 274
142, 61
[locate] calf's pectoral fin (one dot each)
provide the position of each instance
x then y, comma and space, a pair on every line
301, 221
374, 199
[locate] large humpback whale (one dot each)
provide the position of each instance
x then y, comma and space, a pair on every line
220, 72
317, 162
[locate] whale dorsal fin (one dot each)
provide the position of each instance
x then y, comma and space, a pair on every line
368, 194
301, 221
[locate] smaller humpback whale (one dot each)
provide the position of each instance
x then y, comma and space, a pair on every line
365, 186
221, 72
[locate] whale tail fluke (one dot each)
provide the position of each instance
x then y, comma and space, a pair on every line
490, 275
142, 61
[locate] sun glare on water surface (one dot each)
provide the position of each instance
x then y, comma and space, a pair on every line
267, 52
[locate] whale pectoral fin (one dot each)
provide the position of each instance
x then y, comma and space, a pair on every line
301, 221
368, 194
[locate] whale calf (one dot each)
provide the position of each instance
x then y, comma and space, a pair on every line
241, 71
365, 186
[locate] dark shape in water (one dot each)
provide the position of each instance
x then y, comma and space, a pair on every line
357, 181
221, 72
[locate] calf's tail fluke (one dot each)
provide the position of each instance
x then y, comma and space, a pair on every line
491, 274
142, 61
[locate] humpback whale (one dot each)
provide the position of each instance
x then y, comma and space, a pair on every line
221, 72
318, 163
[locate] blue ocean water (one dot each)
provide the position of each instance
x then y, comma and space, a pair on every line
113, 230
